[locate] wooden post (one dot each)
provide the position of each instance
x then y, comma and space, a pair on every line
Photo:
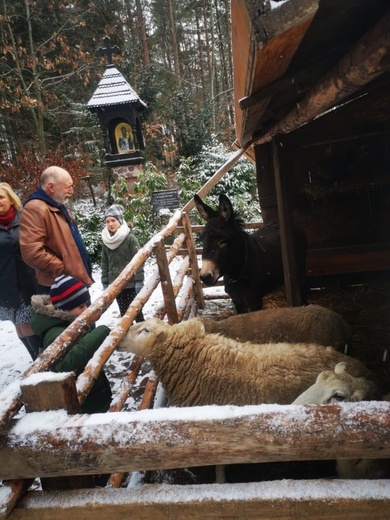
16, 490
54, 391
166, 282
116, 479
293, 294
266, 182
193, 260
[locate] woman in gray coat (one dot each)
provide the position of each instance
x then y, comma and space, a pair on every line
119, 247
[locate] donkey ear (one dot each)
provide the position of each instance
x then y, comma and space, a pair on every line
225, 207
205, 211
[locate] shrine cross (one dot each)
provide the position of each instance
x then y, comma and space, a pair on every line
108, 50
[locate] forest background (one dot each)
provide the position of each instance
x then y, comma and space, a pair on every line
176, 54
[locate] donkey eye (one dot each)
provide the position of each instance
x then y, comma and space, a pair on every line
222, 243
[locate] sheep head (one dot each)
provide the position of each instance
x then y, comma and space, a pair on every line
141, 337
336, 387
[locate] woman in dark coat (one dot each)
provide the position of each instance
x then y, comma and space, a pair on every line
17, 279
52, 314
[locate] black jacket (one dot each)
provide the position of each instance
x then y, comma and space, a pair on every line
16, 277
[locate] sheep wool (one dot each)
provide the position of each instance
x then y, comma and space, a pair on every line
196, 368
309, 324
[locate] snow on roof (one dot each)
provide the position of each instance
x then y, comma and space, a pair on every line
113, 89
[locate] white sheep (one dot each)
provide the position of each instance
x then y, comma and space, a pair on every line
309, 324
338, 385
341, 386
197, 368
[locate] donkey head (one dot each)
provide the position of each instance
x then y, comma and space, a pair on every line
218, 238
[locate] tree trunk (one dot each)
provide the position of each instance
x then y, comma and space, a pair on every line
200, 51
172, 32
142, 28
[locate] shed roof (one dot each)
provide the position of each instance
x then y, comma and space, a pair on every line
113, 89
290, 54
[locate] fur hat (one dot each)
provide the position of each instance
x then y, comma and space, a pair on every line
67, 293
115, 211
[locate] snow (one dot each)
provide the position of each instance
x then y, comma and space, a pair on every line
259, 491
277, 4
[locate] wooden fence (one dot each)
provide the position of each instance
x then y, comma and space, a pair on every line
64, 448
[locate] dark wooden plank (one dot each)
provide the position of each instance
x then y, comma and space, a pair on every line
330, 264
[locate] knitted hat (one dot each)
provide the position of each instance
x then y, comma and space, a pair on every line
115, 211
67, 293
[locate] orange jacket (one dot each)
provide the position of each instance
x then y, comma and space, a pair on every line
47, 244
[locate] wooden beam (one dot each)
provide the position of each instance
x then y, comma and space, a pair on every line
274, 36
193, 260
367, 60
10, 493
177, 283
295, 500
327, 264
62, 445
166, 282
293, 295
295, 82
117, 478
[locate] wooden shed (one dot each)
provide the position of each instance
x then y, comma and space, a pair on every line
312, 98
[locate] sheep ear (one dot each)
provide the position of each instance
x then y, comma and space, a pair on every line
341, 368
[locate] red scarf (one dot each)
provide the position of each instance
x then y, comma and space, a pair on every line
5, 220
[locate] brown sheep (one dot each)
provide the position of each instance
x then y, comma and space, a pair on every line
310, 324
197, 368
341, 386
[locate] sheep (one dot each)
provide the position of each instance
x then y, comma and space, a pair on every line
197, 368
338, 386
341, 386
310, 324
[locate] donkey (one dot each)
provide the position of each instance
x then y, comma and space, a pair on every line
251, 264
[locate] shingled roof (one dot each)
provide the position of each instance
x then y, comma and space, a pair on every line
113, 89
